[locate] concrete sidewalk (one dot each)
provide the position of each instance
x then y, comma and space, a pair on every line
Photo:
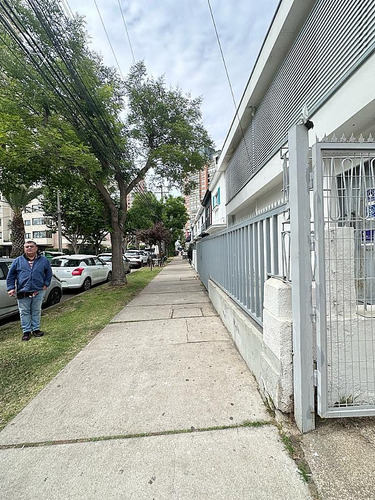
158, 406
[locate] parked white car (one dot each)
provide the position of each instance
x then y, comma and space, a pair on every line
80, 271
145, 256
135, 258
8, 305
107, 258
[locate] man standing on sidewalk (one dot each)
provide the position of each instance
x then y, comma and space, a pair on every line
31, 273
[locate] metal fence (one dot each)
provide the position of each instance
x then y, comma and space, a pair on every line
345, 246
241, 258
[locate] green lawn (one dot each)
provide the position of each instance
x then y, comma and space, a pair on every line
26, 367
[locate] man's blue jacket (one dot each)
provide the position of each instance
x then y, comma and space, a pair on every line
29, 279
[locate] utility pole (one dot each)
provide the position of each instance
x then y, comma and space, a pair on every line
59, 235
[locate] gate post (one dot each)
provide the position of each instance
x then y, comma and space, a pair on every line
300, 232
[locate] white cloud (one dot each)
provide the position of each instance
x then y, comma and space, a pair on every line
176, 38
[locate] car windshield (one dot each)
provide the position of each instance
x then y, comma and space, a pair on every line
106, 258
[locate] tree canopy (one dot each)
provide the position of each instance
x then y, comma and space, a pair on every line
82, 213
147, 215
72, 111
143, 213
175, 217
155, 235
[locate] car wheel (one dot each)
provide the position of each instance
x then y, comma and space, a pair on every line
86, 284
54, 297
109, 277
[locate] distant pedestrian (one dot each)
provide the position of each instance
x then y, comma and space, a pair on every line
150, 260
28, 277
190, 253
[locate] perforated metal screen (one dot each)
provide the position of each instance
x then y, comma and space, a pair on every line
336, 38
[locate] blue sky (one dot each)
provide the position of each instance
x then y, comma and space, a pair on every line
176, 38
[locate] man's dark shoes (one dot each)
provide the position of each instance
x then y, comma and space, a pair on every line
38, 333
26, 336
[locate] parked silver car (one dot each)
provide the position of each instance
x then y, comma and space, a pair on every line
107, 258
8, 305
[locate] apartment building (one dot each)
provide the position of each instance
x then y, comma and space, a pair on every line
36, 227
193, 201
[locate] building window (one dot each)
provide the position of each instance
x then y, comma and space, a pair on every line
216, 198
27, 222
36, 208
42, 234
27, 236
39, 221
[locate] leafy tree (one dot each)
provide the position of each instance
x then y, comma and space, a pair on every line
163, 128
18, 199
20, 153
144, 212
175, 217
82, 212
155, 235
147, 210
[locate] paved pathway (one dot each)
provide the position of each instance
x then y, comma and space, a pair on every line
159, 406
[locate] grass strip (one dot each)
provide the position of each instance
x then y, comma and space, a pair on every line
257, 423
27, 367
293, 447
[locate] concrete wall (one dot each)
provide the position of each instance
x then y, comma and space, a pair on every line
268, 354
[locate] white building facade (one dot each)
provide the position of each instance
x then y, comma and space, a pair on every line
36, 227
315, 69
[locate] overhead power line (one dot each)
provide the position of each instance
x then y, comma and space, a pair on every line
66, 7
72, 93
228, 78
78, 80
127, 32
66, 2
108, 39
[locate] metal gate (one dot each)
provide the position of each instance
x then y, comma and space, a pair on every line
344, 227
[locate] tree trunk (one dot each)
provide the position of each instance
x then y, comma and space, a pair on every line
18, 235
118, 271
75, 245
118, 216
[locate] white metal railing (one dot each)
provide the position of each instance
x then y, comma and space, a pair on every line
242, 257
